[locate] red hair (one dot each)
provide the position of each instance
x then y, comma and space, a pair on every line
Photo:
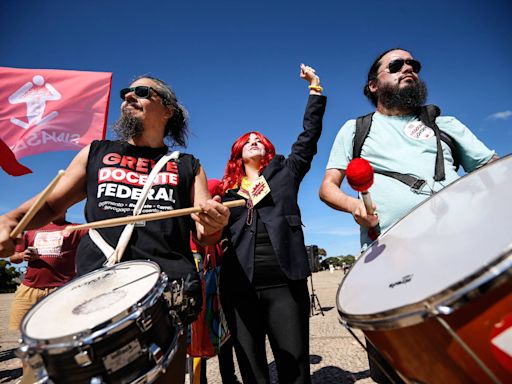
235, 170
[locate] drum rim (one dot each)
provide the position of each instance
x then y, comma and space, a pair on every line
91, 335
446, 300
442, 303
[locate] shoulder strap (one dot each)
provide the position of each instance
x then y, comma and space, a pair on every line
428, 117
428, 114
363, 125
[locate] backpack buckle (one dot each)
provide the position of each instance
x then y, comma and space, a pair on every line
418, 186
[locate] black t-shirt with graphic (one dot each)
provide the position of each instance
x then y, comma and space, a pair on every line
116, 173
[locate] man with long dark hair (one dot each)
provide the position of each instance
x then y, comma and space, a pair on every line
412, 149
110, 175
401, 142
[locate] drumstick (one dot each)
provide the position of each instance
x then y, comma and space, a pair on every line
36, 206
360, 177
148, 217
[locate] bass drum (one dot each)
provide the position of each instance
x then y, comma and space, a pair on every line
113, 325
433, 293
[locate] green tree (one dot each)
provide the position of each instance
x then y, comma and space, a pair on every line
349, 260
7, 276
322, 252
331, 260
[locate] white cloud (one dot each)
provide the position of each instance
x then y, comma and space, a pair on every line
505, 115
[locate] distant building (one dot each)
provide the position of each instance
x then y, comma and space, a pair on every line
313, 257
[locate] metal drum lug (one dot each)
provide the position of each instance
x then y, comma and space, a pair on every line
444, 310
156, 353
144, 322
84, 357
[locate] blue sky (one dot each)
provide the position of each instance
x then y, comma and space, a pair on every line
234, 65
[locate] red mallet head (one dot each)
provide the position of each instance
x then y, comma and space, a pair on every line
359, 174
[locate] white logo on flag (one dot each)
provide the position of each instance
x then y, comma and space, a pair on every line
35, 95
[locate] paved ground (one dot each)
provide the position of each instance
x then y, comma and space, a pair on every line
334, 355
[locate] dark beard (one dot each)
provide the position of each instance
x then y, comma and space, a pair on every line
127, 127
410, 97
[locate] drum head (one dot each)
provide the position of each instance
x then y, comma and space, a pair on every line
90, 300
448, 241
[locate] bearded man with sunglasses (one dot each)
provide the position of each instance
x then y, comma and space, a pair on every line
399, 143
111, 175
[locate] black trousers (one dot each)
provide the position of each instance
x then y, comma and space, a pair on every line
282, 314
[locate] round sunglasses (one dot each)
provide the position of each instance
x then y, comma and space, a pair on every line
141, 91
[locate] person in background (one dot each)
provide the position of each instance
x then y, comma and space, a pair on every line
50, 253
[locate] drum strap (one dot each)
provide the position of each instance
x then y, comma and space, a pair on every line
114, 255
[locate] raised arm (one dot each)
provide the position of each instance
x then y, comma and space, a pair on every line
305, 147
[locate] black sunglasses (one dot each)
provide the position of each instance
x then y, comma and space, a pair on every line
397, 65
141, 91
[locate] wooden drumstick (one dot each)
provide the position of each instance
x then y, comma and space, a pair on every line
36, 206
148, 217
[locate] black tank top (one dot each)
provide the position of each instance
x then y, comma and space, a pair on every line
267, 271
116, 172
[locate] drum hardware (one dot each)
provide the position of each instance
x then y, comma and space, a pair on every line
156, 353
84, 357
178, 300
443, 310
468, 350
35, 362
144, 322
382, 369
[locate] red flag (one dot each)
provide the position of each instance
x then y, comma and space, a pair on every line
44, 110
9, 163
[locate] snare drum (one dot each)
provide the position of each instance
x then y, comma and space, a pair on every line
434, 292
113, 325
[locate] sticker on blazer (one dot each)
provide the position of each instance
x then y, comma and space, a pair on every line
254, 191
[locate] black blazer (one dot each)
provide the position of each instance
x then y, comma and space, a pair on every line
279, 210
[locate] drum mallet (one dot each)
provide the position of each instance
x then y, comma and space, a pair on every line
360, 177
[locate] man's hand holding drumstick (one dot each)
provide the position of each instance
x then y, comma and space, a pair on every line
11, 227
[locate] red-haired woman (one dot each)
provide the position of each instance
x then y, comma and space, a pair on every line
264, 282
